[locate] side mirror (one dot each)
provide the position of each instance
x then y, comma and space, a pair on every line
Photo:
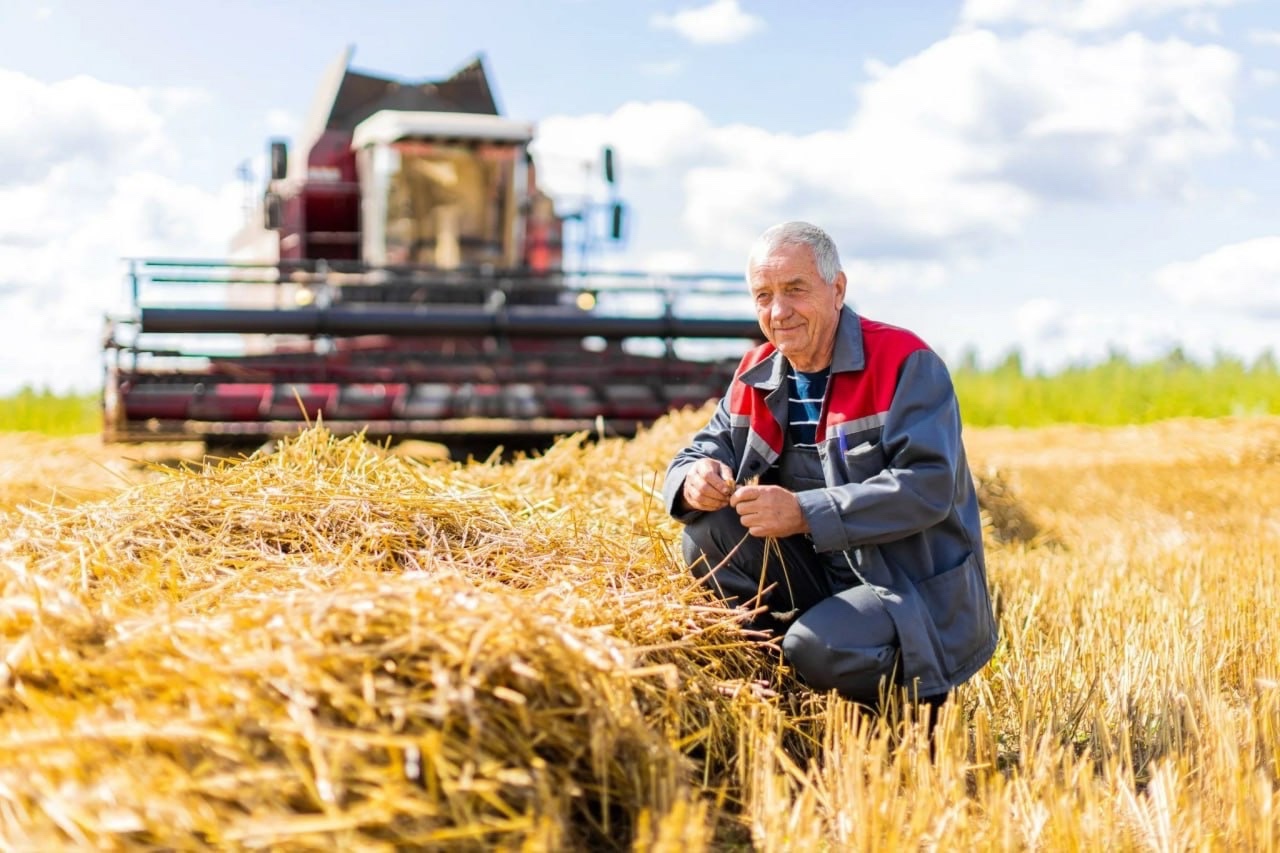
272, 211
279, 159
609, 177
616, 222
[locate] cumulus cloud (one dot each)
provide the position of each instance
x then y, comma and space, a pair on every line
1051, 334
889, 276
948, 154
1143, 335
1084, 15
1240, 278
652, 136
1268, 37
719, 22
1040, 320
1202, 22
80, 120
282, 122
82, 185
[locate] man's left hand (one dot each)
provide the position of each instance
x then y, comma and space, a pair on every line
769, 511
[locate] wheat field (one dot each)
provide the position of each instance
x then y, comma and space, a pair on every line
337, 646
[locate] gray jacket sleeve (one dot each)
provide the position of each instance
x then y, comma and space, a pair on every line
921, 458
715, 441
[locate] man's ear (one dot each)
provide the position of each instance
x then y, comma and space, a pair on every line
839, 285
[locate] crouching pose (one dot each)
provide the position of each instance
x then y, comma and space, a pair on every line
832, 475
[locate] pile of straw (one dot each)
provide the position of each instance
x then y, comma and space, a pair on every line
332, 645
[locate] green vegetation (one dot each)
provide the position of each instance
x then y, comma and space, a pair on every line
49, 413
1118, 391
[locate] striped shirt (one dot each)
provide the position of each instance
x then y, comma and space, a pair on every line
805, 392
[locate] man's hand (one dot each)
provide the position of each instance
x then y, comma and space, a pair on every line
708, 485
769, 511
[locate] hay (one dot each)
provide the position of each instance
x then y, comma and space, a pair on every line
179, 674
1005, 519
334, 645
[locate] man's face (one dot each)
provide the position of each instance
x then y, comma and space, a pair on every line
797, 311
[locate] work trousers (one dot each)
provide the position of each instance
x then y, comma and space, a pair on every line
835, 631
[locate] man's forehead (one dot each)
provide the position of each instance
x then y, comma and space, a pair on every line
794, 262
765, 279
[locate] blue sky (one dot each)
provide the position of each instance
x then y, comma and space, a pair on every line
1064, 178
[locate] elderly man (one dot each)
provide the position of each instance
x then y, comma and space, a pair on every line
830, 495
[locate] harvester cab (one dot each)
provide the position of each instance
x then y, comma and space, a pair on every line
406, 278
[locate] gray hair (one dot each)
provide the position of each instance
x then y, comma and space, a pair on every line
819, 242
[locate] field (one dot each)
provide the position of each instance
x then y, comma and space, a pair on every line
339, 647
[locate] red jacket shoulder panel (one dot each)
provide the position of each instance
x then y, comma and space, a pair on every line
869, 392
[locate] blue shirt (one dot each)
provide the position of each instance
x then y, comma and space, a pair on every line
805, 392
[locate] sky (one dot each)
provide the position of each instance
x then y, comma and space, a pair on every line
1067, 179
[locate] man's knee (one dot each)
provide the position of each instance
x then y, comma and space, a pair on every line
709, 538
695, 555
859, 673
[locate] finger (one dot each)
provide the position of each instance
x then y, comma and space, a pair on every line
718, 484
705, 499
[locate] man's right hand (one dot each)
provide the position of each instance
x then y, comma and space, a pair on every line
708, 485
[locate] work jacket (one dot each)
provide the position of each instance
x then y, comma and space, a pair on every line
899, 499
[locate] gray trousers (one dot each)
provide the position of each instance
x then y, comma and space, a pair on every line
835, 631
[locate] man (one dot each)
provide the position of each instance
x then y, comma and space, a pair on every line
861, 539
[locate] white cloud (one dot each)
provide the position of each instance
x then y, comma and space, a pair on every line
650, 136
282, 122
1240, 278
1082, 15
875, 68
1202, 22
1041, 320
1051, 335
879, 277
723, 202
671, 261
1268, 37
719, 22
80, 120
82, 186
949, 153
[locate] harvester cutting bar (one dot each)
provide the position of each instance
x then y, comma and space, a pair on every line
436, 320
457, 356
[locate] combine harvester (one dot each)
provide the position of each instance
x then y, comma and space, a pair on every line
406, 279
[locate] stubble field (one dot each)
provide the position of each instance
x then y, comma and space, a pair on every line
338, 647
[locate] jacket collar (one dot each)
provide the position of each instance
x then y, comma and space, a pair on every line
848, 356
